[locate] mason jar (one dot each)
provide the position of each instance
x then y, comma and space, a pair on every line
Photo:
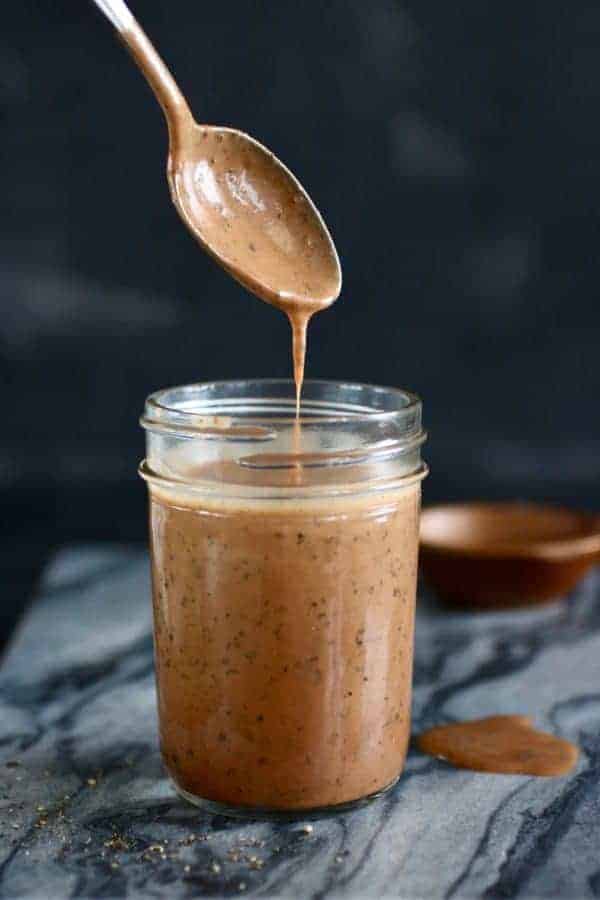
284, 566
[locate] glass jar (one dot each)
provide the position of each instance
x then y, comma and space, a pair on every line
284, 565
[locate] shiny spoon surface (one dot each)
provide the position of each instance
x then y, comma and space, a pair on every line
238, 200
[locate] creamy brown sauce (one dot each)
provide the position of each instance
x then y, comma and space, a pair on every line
502, 744
284, 640
246, 209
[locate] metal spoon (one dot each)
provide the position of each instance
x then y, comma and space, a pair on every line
240, 202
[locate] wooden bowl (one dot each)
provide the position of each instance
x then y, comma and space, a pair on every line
500, 555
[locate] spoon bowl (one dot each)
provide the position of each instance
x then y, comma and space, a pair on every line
254, 217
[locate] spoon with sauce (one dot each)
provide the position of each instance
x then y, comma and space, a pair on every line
240, 202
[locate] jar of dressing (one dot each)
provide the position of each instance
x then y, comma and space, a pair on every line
284, 566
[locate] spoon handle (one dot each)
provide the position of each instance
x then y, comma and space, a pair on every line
117, 12
157, 75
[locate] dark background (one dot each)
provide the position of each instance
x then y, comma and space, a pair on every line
454, 150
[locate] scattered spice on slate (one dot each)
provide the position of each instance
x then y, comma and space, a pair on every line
116, 843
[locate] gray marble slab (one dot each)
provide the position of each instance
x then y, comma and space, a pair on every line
86, 811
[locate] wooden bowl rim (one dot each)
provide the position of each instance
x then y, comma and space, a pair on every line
552, 549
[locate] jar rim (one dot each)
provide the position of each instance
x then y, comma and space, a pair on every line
244, 434
190, 407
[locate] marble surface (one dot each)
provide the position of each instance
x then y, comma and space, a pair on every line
86, 811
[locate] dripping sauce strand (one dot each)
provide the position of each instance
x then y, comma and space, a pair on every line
299, 320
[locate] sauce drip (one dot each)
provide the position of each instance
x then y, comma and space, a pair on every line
299, 321
503, 744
